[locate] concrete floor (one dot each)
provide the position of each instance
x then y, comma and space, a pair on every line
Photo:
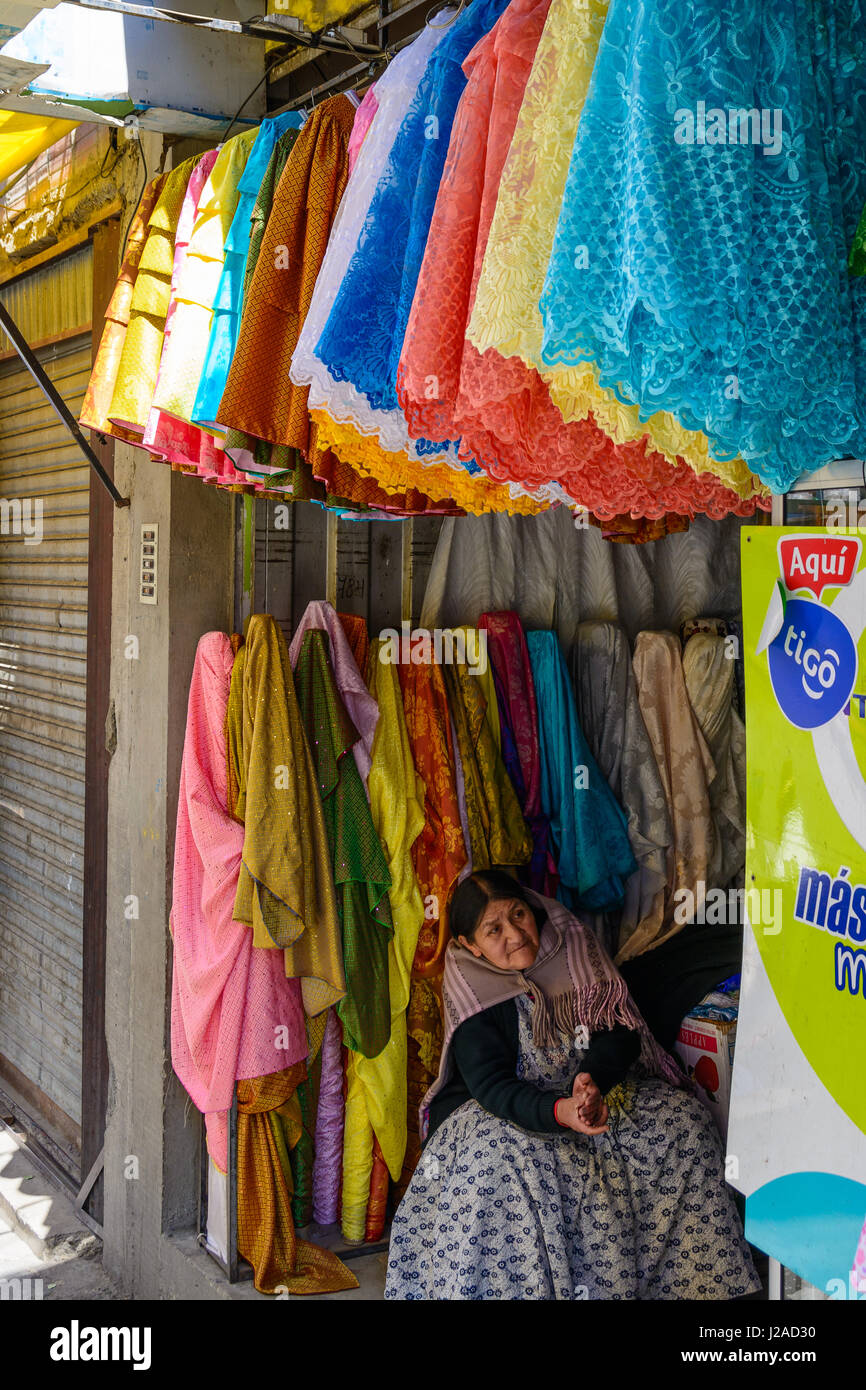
369, 1269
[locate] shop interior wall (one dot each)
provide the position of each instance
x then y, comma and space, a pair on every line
377, 570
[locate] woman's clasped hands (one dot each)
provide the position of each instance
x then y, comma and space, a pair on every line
585, 1111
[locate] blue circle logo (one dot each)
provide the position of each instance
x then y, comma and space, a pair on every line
813, 664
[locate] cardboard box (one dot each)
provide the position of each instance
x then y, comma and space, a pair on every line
706, 1049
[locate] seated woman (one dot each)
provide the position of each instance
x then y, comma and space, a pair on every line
564, 1159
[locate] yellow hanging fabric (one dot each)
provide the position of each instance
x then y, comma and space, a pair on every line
376, 1095
142, 346
266, 1231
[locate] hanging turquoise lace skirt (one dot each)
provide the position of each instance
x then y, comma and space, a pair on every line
700, 259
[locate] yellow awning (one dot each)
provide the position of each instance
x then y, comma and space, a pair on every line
315, 14
23, 137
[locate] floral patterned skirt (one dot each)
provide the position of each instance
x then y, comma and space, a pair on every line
641, 1212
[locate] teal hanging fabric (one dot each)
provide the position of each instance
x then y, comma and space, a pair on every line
588, 827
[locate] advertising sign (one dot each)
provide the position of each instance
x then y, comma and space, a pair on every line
798, 1106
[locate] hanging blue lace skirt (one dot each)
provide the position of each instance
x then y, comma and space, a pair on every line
363, 338
716, 181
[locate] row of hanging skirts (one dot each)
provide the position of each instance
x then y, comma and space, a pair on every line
464, 293
356, 783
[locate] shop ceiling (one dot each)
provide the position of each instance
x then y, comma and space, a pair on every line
154, 67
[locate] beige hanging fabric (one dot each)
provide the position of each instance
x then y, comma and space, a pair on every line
614, 726
687, 770
709, 666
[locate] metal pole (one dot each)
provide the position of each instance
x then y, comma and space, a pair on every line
233, 1258
56, 401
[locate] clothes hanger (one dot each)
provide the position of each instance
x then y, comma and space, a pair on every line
436, 9
376, 67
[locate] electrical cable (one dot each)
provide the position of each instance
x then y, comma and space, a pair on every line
134, 209
275, 62
360, 56
112, 145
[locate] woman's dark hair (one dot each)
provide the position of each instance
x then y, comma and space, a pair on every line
475, 892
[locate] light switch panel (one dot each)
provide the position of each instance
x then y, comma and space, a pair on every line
148, 563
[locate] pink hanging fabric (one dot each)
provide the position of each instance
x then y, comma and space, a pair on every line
859, 1270
330, 1117
234, 1015
173, 444
363, 710
363, 120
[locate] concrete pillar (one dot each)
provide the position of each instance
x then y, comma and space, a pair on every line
153, 1134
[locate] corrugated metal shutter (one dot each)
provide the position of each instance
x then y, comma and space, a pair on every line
43, 647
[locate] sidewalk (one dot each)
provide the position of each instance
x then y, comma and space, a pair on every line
45, 1250
77, 1277
43, 1241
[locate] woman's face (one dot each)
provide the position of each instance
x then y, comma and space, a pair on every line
506, 935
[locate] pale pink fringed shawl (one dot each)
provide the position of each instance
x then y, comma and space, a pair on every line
234, 1015
572, 980
363, 710
363, 120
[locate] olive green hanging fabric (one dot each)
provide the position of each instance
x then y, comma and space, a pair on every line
361, 872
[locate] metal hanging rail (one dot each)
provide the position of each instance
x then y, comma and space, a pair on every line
57, 403
337, 38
